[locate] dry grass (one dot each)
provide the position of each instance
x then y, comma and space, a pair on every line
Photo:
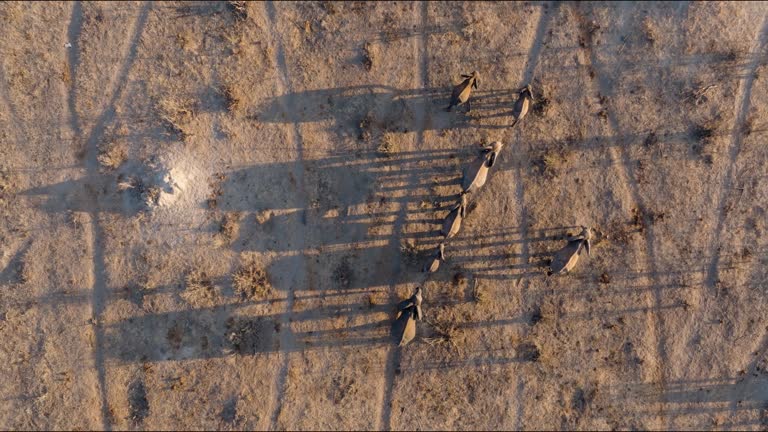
365, 126
239, 10
388, 146
368, 56
445, 334
147, 194
199, 289
233, 97
251, 281
478, 295
409, 251
230, 226
550, 162
177, 114
112, 154
649, 30
6, 183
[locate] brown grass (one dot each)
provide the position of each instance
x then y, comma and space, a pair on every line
199, 289
177, 114
233, 97
251, 281
230, 226
112, 154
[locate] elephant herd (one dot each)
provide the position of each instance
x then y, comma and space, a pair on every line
474, 178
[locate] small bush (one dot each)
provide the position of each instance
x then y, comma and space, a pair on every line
251, 281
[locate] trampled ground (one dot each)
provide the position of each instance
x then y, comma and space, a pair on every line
209, 211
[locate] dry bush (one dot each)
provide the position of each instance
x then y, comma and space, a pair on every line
478, 295
409, 251
388, 146
343, 274
445, 333
6, 183
230, 226
177, 114
528, 351
550, 162
251, 281
365, 125
368, 56
199, 288
233, 97
187, 41
649, 30
148, 194
704, 146
238, 9
112, 154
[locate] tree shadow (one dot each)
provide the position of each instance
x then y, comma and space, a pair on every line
386, 108
705, 398
126, 191
350, 222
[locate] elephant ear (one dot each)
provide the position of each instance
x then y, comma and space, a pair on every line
405, 304
492, 159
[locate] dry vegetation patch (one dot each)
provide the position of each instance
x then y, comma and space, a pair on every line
233, 98
112, 154
177, 115
199, 289
230, 226
251, 281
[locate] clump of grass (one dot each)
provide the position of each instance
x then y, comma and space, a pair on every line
238, 9
198, 288
703, 146
139, 190
151, 195
367, 57
112, 155
478, 295
329, 7
6, 183
215, 184
409, 251
232, 99
702, 132
343, 274
388, 146
251, 281
177, 114
365, 125
605, 278
536, 315
541, 107
444, 335
651, 140
649, 30
23, 271
549, 163
229, 226
528, 352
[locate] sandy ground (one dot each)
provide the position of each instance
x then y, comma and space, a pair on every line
209, 212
